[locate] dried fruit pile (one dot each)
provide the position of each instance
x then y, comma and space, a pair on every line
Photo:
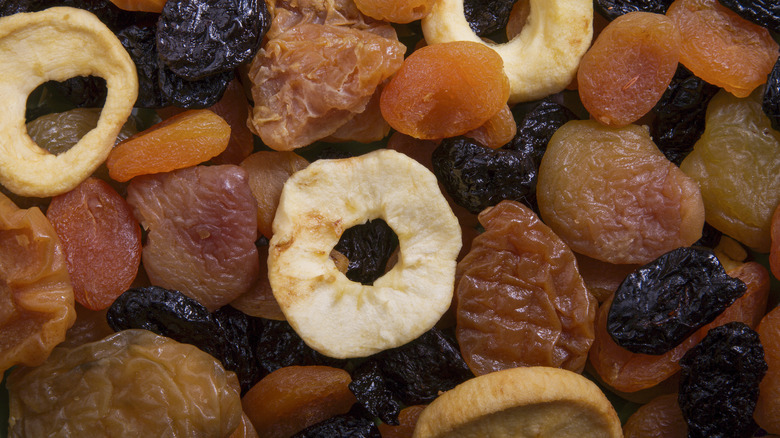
390, 218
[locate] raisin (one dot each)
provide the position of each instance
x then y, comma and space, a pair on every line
345, 426
767, 413
719, 382
770, 102
140, 43
199, 38
279, 346
659, 418
487, 16
368, 247
536, 128
477, 177
198, 94
370, 388
612, 9
764, 13
666, 300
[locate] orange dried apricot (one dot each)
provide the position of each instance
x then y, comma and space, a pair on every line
444, 90
245, 429
721, 47
767, 412
183, 140
774, 251
101, 239
293, 398
497, 131
628, 68
659, 418
395, 11
140, 5
407, 419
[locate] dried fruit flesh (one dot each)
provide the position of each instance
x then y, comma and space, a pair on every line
736, 162
774, 251
445, 90
347, 425
487, 16
140, 5
90, 326
610, 194
613, 9
497, 131
628, 67
58, 132
764, 13
259, 300
601, 278
771, 101
767, 412
395, 11
521, 300
369, 386
101, 239
721, 47
368, 248
659, 418
407, 420
234, 108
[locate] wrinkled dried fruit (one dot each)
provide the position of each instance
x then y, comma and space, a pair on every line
368, 248
140, 5
279, 346
234, 108
370, 388
198, 94
613, 9
771, 100
767, 413
659, 418
497, 131
487, 16
536, 128
395, 11
259, 300
141, 44
58, 132
774, 251
764, 13
341, 425
407, 420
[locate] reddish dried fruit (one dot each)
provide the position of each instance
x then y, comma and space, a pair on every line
774, 251
234, 108
407, 419
660, 418
259, 300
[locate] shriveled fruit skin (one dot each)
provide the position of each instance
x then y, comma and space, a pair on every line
368, 247
721, 47
259, 300
771, 100
36, 295
767, 413
234, 108
610, 194
736, 162
202, 225
445, 90
101, 239
497, 131
659, 418
58, 132
487, 16
613, 9
369, 386
628, 67
142, 383
347, 425
520, 298
293, 398
774, 251
395, 11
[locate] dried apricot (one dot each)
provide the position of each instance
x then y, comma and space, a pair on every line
101, 239
395, 11
445, 90
407, 420
774, 251
629, 66
767, 412
659, 418
259, 300
601, 278
610, 194
721, 47
183, 140
293, 398
497, 131
364, 127
140, 5
90, 326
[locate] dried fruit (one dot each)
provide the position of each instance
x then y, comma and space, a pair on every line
90, 326
141, 44
341, 425
259, 300
370, 389
58, 132
234, 108
612, 9
774, 251
764, 13
140, 5
487, 16
279, 346
198, 94
396, 11
497, 131
536, 128
601, 278
407, 420
770, 103
368, 248
659, 418
767, 412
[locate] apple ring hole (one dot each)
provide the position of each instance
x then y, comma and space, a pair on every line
371, 250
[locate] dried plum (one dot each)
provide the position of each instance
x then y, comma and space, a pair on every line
343, 426
370, 389
83, 91
477, 177
140, 43
368, 247
665, 301
487, 16
536, 128
771, 100
761, 12
198, 94
199, 38
719, 382
611, 9
113, 17
279, 346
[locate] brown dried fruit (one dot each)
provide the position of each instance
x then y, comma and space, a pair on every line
659, 418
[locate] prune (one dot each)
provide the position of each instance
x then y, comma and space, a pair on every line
770, 102
764, 13
487, 16
199, 38
719, 382
140, 43
666, 300
112, 16
198, 94
239, 333
679, 115
83, 91
612, 9
370, 389
279, 346
344, 426
767, 413
368, 247
536, 128
477, 177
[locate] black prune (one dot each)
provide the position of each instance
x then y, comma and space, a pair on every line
201, 38
611, 9
83, 91
764, 13
240, 332
487, 16
663, 302
536, 128
369, 387
279, 346
111, 15
140, 43
342, 426
719, 382
771, 99
199, 94
368, 247
477, 177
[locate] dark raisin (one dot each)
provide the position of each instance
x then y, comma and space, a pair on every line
342, 426
719, 382
764, 13
370, 389
611, 9
201, 38
663, 302
487, 16
477, 177
199, 94
536, 128
368, 247
279, 346
140, 43
679, 115
771, 100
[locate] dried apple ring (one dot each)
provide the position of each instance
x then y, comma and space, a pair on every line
542, 59
58, 44
334, 315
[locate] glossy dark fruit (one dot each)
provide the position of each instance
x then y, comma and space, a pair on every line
239, 333
83, 91
611, 9
771, 99
369, 387
764, 13
368, 247
112, 16
477, 177
345, 426
665, 301
719, 382
679, 115
279, 346
140, 43
535, 128
199, 38
199, 94
487, 16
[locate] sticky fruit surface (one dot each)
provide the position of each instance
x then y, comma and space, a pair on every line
767, 413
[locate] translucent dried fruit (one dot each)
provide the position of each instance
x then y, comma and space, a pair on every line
365, 127
765, 13
610, 194
234, 108
396, 11
368, 248
58, 132
736, 163
36, 296
90, 326
101, 239
601, 278
659, 418
767, 412
521, 301
719, 382
185, 140
293, 398
202, 227
721, 47
774, 251
771, 100
613, 9
407, 420
487, 16
629, 66
187, 390
445, 90
347, 425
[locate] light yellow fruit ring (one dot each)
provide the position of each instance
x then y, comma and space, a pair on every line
341, 318
539, 402
58, 44
541, 60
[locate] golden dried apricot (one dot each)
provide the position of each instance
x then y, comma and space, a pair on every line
395, 11
293, 398
628, 68
364, 127
659, 418
497, 131
767, 412
444, 90
610, 194
721, 47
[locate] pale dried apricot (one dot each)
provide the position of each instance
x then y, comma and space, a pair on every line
659, 418
767, 412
